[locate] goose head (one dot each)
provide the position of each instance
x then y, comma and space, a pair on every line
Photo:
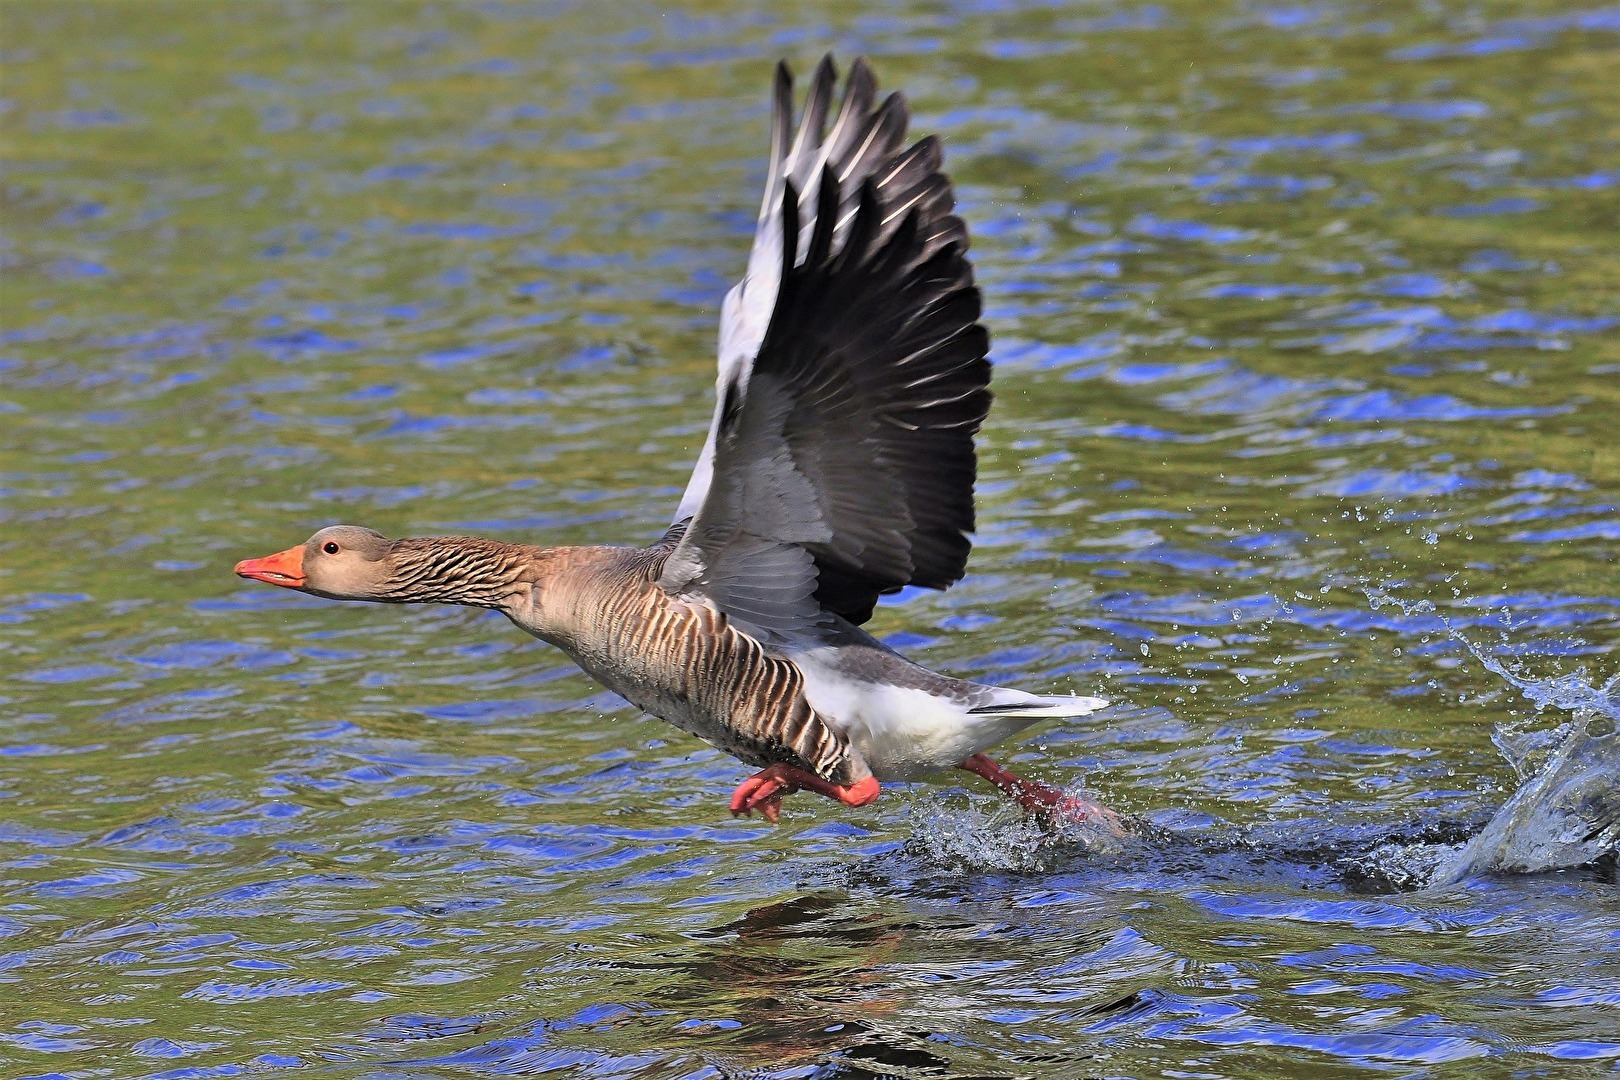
341, 562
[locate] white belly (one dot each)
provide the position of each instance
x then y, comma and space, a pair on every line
904, 734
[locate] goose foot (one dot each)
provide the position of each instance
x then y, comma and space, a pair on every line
764, 791
1049, 804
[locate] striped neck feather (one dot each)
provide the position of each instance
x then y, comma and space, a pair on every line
458, 570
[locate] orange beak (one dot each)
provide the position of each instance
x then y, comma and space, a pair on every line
284, 568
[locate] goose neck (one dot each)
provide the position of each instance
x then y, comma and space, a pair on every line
461, 570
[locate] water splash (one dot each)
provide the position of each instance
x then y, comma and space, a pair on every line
995, 836
1566, 813
1566, 810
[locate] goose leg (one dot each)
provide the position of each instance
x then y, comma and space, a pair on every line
764, 791
1050, 804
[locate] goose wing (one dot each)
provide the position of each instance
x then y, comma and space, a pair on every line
853, 377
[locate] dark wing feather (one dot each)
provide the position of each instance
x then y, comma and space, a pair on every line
862, 142
841, 460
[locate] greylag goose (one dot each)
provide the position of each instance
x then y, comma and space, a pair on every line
838, 468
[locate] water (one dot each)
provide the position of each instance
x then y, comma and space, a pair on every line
1566, 811
1289, 301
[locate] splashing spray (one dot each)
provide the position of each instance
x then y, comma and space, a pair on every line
1566, 811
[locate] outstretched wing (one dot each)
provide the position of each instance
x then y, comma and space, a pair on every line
853, 377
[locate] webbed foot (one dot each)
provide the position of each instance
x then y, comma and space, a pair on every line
1051, 805
765, 789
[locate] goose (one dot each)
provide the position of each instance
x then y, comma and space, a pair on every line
839, 467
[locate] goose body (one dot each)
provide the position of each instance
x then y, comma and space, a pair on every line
846, 710
838, 468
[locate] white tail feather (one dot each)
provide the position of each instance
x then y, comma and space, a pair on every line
1034, 705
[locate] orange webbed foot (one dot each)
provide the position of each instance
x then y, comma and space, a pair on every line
763, 792
1051, 805
765, 789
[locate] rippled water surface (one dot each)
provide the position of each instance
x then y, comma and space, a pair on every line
1304, 451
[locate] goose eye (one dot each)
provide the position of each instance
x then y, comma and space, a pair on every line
330, 547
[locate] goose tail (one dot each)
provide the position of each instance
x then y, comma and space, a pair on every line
1035, 706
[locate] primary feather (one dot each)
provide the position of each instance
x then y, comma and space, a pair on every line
853, 377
